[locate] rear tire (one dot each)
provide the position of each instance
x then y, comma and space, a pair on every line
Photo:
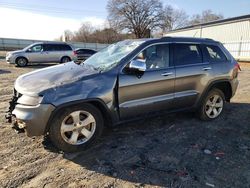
65, 59
76, 128
21, 62
212, 105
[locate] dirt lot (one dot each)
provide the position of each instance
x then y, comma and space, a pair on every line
169, 151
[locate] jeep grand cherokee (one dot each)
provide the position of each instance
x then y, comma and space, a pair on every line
130, 79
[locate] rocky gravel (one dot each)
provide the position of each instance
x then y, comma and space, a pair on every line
172, 150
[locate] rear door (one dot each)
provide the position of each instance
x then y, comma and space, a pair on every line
58, 52
49, 52
219, 61
152, 91
193, 72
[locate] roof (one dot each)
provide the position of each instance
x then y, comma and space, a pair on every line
180, 39
50, 42
217, 22
187, 39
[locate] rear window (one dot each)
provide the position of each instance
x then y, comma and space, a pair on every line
85, 51
215, 54
65, 47
186, 54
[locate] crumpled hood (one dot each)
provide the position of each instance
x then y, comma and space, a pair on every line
36, 81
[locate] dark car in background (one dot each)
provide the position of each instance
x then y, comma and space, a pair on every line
83, 54
42, 52
127, 80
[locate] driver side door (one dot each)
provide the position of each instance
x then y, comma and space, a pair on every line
35, 53
150, 91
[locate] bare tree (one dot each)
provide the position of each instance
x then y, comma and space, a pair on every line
83, 33
88, 33
205, 16
67, 35
174, 18
137, 16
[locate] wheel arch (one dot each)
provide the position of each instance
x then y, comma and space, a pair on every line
223, 85
98, 103
21, 56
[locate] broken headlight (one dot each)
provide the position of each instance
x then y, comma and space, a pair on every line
30, 100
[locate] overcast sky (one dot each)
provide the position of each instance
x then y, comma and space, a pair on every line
47, 19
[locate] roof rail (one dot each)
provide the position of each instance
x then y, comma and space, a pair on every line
209, 39
166, 37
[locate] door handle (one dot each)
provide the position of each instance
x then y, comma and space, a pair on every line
166, 73
206, 68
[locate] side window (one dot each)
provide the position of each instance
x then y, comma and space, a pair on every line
57, 47
186, 54
155, 57
215, 54
90, 52
82, 51
36, 48
48, 47
65, 47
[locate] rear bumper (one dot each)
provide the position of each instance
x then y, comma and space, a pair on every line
234, 84
33, 118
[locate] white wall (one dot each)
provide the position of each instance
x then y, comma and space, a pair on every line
235, 36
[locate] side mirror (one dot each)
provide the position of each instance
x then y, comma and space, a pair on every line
29, 50
137, 65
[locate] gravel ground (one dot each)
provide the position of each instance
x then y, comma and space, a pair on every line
175, 150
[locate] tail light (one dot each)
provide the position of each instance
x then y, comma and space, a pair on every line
237, 65
236, 70
74, 53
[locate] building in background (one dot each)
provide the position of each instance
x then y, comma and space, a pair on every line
234, 33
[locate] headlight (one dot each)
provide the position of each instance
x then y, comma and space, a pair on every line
30, 100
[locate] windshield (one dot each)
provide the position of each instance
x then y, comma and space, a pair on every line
109, 57
27, 47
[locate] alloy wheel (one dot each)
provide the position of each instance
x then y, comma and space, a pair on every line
78, 127
214, 106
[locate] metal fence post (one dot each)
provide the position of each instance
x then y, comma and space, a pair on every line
240, 45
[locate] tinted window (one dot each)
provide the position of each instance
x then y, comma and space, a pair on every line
185, 54
156, 56
85, 51
65, 47
57, 47
48, 47
90, 51
215, 54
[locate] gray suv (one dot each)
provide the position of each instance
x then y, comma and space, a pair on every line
41, 52
127, 80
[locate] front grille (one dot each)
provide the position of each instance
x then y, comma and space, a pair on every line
12, 105
16, 94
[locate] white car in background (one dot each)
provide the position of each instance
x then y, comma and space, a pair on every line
41, 52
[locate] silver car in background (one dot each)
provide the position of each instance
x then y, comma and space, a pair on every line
42, 52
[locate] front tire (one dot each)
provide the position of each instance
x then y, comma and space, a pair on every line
76, 128
21, 62
212, 106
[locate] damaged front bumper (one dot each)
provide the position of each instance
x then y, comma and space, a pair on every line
32, 119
